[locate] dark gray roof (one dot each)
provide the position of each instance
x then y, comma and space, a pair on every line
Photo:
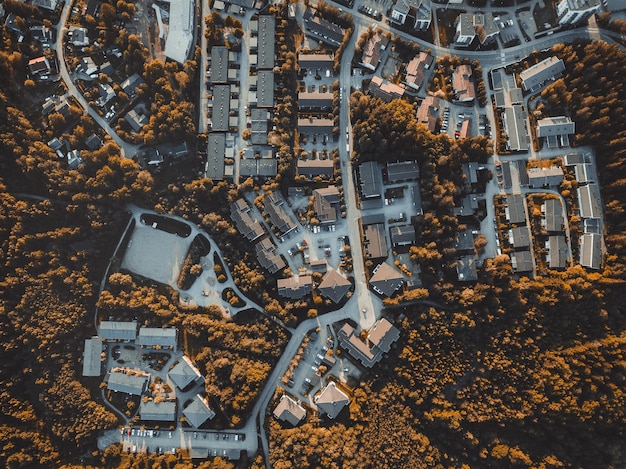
557, 251
198, 411
466, 269
402, 171
265, 88
128, 383
216, 152
220, 108
219, 64
92, 357
402, 235
522, 261
370, 180
554, 215
515, 209
185, 373
267, 38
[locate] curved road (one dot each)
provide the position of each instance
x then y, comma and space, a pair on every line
128, 150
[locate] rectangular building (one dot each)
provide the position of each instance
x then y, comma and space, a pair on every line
515, 127
547, 69
216, 152
265, 89
117, 330
267, 39
219, 65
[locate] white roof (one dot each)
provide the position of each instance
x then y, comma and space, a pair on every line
180, 35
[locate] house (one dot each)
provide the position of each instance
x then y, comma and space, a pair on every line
11, 24
74, 159
417, 12
522, 261
321, 29
261, 167
515, 210
515, 127
107, 69
555, 129
334, 286
553, 213
312, 168
93, 142
468, 206
591, 250
39, 68
216, 152
464, 241
378, 341
267, 256
466, 269
403, 235
275, 207
557, 252
92, 357
545, 177
106, 94
42, 34
384, 89
137, 117
370, 183
295, 287
414, 73
259, 119
574, 12
289, 410
326, 204
372, 50
241, 215
128, 381
198, 411
118, 330
157, 411
266, 42
548, 69
185, 374
463, 83
49, 5
162, 337
180, 32
130, 85
375, 241
385, 280
315, 62
331, 400
55, 144
220, 108
426, 112
78, 36
402, 171
219, 65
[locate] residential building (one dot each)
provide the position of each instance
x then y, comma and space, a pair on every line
219, 65
315, 101
427, 112
106, 94
372, 50
416, 12
241, 215
403, 235
92, 357
331, 400
375, 241
465, 32
522, 261
463, 83
414, 73
591, 250
42, 34
163, 337
315, 126
180, 32
516, 95
519, 237
515, 210
295, 287
545, 177
137, 117
555, 130
553, 213
157, 411
384, 89
93, 142
128, 381
267, 256
378, 341
326, 204
39, 68
466, 269
130, 85
321, 29
220, 108
74, 159
216, 152
198, 411
535, 76
334, 286
402, 171
465, 129
588, 202
289, 410
276, 208
118, 330
370, 182
259, 119
574, 12
557, 252
265, 89
266, 42
515, 128
87, 66
318, 265
312, 168
185, 374
12, 26
261, 167
315, 62
78, 36
386, 280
